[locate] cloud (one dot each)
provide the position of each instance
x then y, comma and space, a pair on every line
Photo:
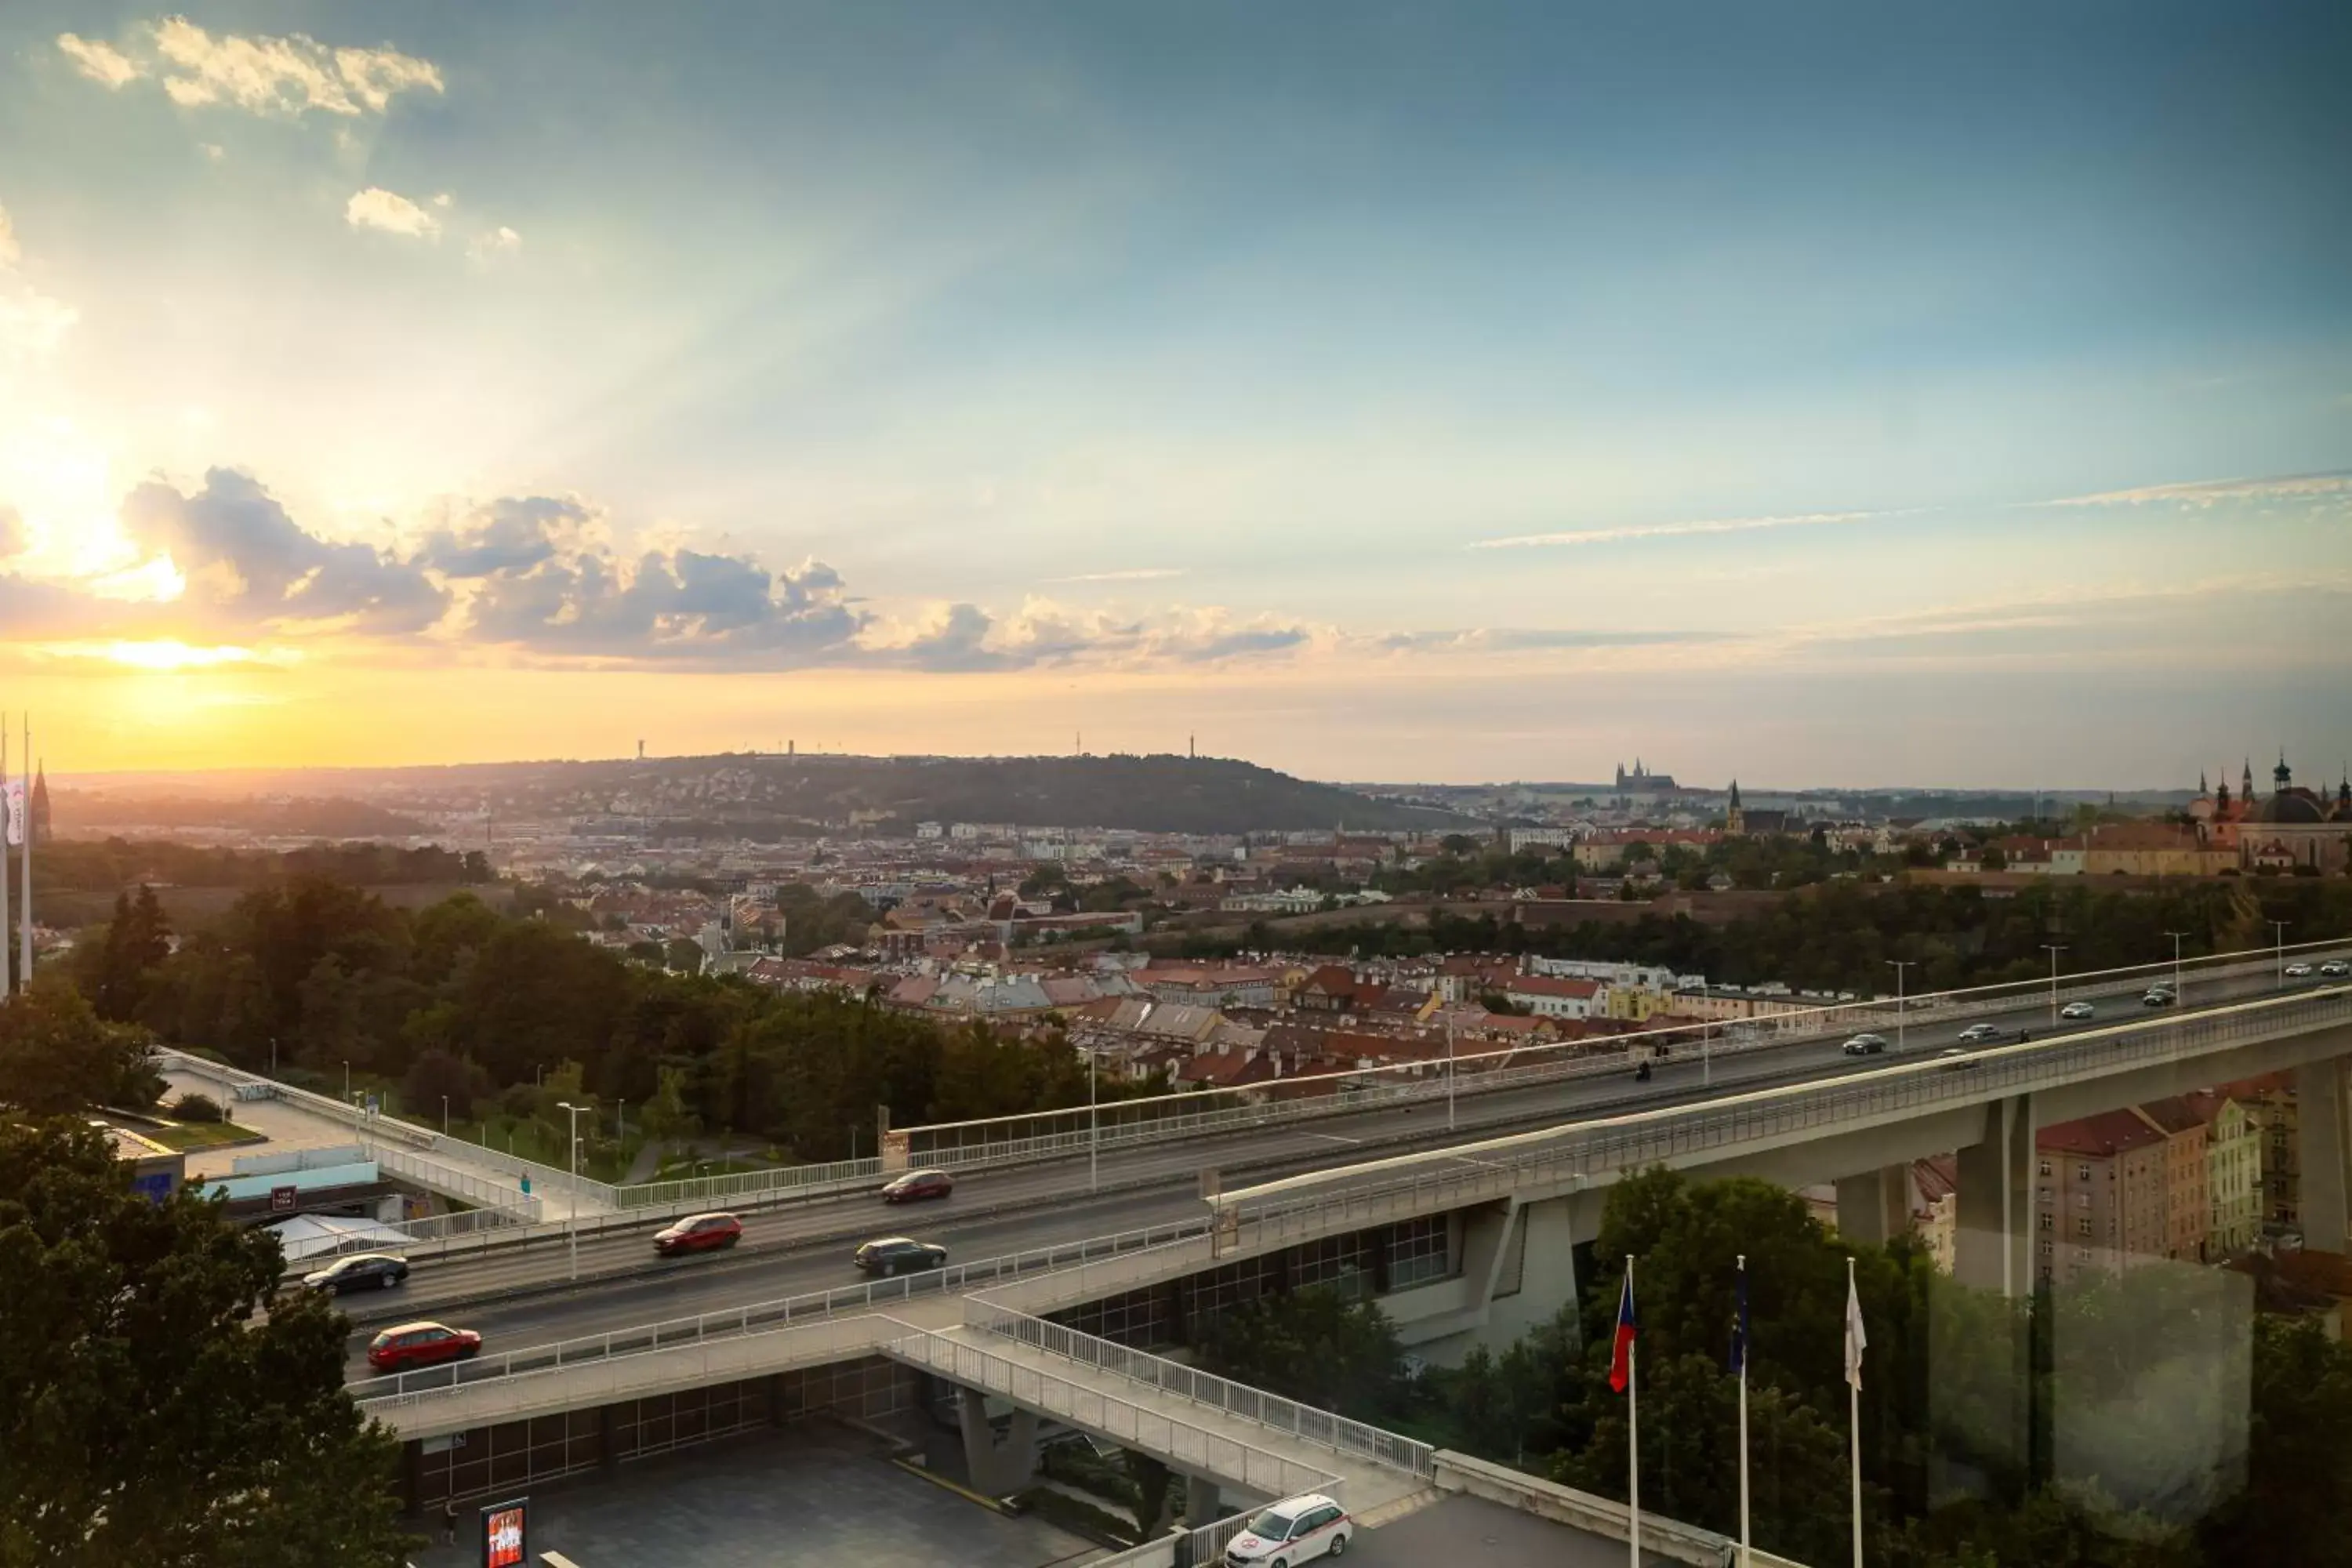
13, 537
1527, 639
1682, 530
511, 534
2214, 493
248, 564
99, 61
288, 76
965, 638
492, 244
376, 208
1132, 574
9, 252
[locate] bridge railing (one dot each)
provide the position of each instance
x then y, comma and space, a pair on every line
1482, 1068
1589, 1152
1179, 1443
784, 1313
1343, 1435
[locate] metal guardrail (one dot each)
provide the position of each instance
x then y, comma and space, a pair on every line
1177, 1441
1202, 1547
1341, 1435
457, 1183
766, 1317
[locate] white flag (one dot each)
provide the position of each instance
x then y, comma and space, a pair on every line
14, 798
1856, 1339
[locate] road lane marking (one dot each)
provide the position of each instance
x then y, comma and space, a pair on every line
1335, 1137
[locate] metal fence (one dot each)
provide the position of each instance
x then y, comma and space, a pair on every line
1193, 1448
1202, 1547
786, 1312
1354, 1439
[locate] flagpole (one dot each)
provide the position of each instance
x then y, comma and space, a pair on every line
1853, 1343
25, 860
7, 987
1632, 1430
1746, 1549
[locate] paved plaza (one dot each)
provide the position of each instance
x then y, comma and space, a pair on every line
816, 1494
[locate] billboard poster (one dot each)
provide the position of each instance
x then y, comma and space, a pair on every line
504, 1536
12, 806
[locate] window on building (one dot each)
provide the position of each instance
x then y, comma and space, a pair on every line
2045, 1167
2048, 1195
2050, 1222
2083, 1173
2081, 1227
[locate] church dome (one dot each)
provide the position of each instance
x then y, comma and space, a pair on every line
2289, 807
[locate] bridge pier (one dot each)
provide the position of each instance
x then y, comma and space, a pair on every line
1875, 1206
1201, 1501
2325, 1128
994, 1466
1995, 1231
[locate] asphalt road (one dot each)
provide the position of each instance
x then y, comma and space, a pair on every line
522, 1298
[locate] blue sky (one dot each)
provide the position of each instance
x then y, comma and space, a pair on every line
1469, 392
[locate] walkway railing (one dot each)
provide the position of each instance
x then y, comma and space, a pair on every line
1351, 1438
1174, 1440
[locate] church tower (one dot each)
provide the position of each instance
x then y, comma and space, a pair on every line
38, 808
1734, 821
2246, 784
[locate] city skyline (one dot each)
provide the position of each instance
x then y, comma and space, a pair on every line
1400, 402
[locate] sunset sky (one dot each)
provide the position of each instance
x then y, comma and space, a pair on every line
1819, 393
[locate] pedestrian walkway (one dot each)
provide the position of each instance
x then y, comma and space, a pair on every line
1186, 1435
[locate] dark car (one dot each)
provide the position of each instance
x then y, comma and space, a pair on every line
899, 1254
1864, 1046
420, 1344
698, 1233
917, 1185
2158, 997
359, 1271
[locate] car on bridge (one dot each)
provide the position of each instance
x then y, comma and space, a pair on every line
2078, 1010
420, 1344
1864, 1044
899, 1254
359, 1271
2158, 997
2298, 972
915, 1185
1978, 1034
1295, 1530
698, 1233
1956, 1057
2335, 968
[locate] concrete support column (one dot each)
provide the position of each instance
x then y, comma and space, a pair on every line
1996, 1216
1200, 1501
1876, 1206
997, 1468
607, 1426
2326, 1131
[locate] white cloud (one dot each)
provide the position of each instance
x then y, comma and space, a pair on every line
491, 244
10, 253
2213, 492
1680, 530
376, 208
264, 75
100, 61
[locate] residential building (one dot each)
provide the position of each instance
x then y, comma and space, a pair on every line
2233, 1173
1547, 998
2188, 1181
2101, 1187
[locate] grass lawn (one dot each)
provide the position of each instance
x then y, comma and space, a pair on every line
687, 1170
184, 1135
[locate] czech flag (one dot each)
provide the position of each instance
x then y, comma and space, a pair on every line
1620, 1355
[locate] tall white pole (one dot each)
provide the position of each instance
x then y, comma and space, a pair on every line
1853, 1419
2053, 950
2176, 937
1094, 1131
1449, 1072
572, 1215
1633, 1434
1746, 1549
25, 862
1902, 1012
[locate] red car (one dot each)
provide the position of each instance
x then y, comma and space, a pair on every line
420, 1344
915, 1184
698, 1233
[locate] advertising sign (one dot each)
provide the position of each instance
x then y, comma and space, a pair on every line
283, 1199
504, 1535
12, 807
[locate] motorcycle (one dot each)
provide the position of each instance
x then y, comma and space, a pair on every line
1642, 1072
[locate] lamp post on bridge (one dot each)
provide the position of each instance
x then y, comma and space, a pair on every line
2278, 948
2053, 950
1901, 1011
2177, 1000
572, 1214
1094, 1130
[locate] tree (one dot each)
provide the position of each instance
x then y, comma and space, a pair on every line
436, 1076
1313, 1346
137, 939
145, 1415
59, 1057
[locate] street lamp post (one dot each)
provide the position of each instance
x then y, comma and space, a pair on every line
1094, 1131
1449, 1072
347, 1081
1899, 966
2278, 947
2053, 950
572, 1214
444, 1116
2175, 936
